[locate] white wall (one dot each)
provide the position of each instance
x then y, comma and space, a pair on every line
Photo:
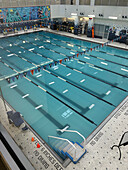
122, 24
66, 10
111, 11
92, 2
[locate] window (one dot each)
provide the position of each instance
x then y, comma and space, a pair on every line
98, 2
105, 2
123, 2
84, 2
111, 2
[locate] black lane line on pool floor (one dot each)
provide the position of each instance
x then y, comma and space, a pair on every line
44, 48
61, 101
108, 60
90, 63
95, 65
8, 66
113, 54
60, 41
80, 60
84, 110
86, 48
12, 64
66, 104
24, 58
34, 104
113, 85
78, 51
67, 42
69, 67
91, 55
19, 56
48, 116
48, 48
81, 72
69, 82
38, 52
81, 88
103, 68
73, 109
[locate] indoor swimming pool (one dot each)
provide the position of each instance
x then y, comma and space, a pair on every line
79, 93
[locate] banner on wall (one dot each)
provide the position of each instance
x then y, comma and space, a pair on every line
24, 13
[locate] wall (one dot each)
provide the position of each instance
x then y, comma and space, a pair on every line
111, 22
66, 10
112, 11
24, 14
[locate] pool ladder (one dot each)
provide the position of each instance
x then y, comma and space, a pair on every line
68, 148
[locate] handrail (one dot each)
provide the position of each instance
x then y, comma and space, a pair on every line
73, 131
64, 140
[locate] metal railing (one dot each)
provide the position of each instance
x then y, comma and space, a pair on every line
74, 131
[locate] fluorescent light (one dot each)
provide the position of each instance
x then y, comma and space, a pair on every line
91, 16
110, 17
74, 14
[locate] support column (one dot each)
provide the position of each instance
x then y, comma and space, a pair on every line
92, 3
76, 20
77, 2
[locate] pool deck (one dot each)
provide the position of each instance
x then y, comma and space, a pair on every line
98, 156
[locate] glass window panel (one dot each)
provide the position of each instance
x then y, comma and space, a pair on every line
84, 2
113, 2
123, 2
98, 2
105, 2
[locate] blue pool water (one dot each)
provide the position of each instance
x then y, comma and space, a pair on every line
80, 93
